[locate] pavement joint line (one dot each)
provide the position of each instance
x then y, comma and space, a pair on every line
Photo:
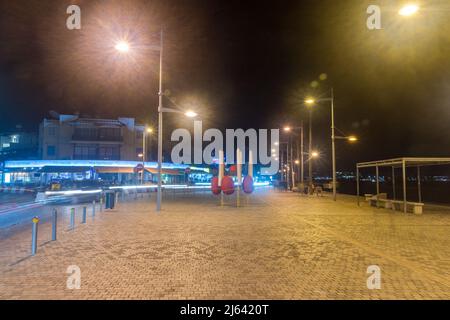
393, 258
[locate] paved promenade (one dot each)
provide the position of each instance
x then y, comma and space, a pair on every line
278, 246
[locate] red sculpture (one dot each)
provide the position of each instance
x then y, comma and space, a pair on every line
216, 190
248, 185
227, 185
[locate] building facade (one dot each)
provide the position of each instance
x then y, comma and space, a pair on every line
73, 138
18, 145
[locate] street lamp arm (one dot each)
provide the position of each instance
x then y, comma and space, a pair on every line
171, 110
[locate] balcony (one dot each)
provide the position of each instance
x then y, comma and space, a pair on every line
96, 138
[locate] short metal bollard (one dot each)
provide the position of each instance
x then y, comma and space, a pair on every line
72, 218
54, 224
93, 208
34, 234
84, 215
101, 203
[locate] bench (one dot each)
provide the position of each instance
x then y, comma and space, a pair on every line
414, 207
380, 203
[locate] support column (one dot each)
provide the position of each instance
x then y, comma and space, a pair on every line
404, 185
357, 184
377, 180
393, 183
419, 186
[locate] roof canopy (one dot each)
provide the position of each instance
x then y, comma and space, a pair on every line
409, 162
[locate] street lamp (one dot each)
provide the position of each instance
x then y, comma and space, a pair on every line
300, 151
124, 47
409, 10
191, 114
312, 101
145, 132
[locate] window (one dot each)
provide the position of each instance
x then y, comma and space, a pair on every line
109, 153
85, 133
51, 151
85, 152
15, 139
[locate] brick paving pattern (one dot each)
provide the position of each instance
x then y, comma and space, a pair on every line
278, 246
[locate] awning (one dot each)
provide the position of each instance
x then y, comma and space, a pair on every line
172, 172
64, 169
114, 170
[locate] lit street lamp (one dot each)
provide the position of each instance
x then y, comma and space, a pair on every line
409, 10
300, 151
145, 132
311, 101
124, 47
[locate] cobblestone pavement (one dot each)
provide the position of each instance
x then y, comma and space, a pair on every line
277, 246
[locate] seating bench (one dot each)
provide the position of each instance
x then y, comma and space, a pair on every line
414, 207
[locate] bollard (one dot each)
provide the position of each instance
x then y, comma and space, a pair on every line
34, 234
117, 197
101, 203
93, 208
54, 224
72, 218
84, 215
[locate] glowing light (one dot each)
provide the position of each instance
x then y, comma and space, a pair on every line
352, 138
310, 101
122, 47
149, 130
287, 129
190, 114
315, 154
71, 192
408, 10
297, 161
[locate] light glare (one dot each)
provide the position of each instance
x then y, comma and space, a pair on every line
123, 47
409, 10
190, 114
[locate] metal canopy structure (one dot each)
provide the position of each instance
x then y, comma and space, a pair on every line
400, 163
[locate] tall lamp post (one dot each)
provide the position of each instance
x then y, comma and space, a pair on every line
311, 101
145, 132
300, 153
124, 47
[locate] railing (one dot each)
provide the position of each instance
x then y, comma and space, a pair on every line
78, 137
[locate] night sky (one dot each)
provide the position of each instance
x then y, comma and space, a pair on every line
242, 64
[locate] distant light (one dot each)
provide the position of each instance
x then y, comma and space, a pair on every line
287, 129
122, 46
352, 139
191, 114
149, 130
297, 161
408, 10
315, 154
276, 143
140, 155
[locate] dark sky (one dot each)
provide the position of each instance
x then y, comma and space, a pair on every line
242, 63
